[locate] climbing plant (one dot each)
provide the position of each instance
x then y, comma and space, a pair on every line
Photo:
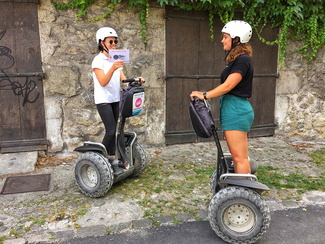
300, 20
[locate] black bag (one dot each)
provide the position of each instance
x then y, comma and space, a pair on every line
201, 118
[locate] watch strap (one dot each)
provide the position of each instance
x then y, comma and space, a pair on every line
205, 95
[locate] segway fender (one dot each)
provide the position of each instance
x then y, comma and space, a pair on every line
90, 148
255, 185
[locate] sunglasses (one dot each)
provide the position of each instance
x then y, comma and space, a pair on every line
111, 42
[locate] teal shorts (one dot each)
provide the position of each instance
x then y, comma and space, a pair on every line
236, 113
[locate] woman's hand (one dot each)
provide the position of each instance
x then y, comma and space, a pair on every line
196, 94
117, 64
141, 79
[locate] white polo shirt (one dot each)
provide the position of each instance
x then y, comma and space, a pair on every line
111, 92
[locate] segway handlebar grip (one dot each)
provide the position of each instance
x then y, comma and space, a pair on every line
131, 80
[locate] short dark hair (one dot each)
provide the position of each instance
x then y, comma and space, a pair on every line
100, 46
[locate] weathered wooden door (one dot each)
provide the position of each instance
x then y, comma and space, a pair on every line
22, 117
195, 62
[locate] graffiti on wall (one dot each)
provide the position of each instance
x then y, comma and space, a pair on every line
25, 89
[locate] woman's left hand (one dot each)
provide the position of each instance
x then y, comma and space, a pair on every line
196, 94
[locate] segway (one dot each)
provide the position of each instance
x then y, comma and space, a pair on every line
237, 212
93, 172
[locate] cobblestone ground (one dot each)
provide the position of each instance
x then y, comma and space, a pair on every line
64, 212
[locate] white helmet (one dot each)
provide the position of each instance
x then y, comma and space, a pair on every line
238, 28
104, 32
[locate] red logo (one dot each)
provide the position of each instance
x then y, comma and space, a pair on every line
138, 102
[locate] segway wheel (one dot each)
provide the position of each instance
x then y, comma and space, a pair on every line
93, 174
239, 215
140, 160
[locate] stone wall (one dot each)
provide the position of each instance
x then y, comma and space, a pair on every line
68, 47
299, 110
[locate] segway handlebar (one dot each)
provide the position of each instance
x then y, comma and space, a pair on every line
131, 80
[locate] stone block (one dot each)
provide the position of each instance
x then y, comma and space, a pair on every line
13, 163
96, 230
142, 223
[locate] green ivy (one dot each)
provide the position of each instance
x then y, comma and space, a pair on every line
300, 20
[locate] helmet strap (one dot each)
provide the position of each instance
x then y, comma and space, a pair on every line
105, 48
235, 42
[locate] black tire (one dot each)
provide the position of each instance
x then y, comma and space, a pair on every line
139, 159
93, 174
239, 215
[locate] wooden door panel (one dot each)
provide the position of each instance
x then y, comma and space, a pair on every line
212, 55
182, 36
22, 117
175, 104
265, 56
22, 37
202, 61
263, 101
9, 117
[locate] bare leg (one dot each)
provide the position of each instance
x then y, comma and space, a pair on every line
237, 142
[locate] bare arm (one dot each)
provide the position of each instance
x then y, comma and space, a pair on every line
232, 81
122, 75
104, 79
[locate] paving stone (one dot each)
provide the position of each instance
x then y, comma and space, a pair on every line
39, 237
63, 234
184, 217
96, 230
164, 219
3, 228
317, 197
15, 241
290, 204
119, 227
202, 215
142, 223
274, 206
22, 162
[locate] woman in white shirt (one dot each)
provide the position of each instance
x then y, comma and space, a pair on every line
107, 77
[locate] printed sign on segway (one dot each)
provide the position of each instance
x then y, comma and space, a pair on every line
138, 100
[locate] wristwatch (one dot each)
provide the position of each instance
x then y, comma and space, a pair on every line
205, 96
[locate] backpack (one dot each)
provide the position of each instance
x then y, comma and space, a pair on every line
201, 118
